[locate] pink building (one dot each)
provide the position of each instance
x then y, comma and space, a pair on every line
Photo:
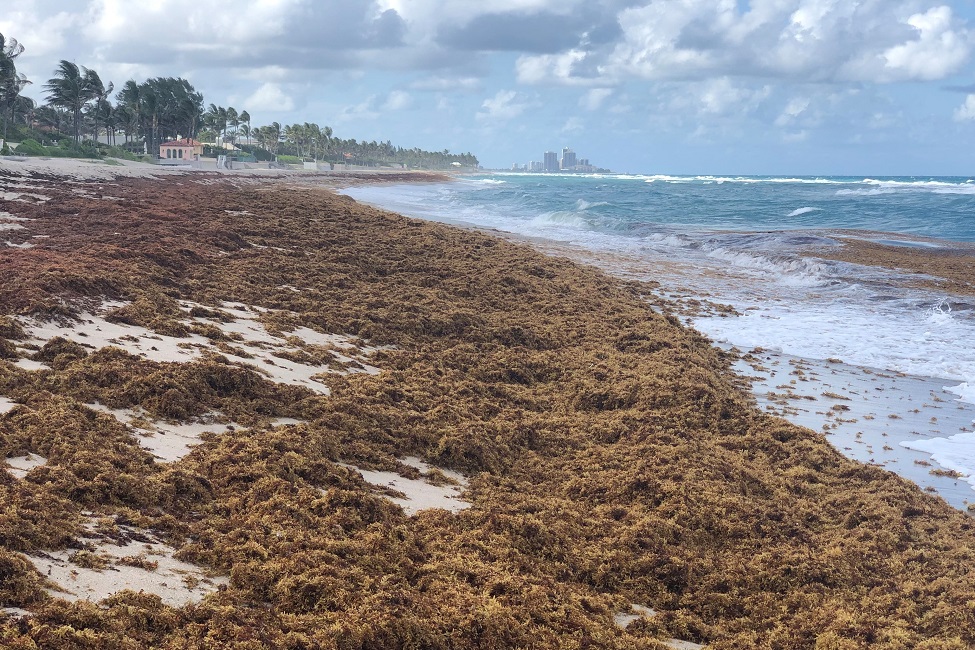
184, 149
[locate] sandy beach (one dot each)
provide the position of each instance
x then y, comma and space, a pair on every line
383, 432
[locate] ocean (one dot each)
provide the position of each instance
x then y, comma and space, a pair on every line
883, 367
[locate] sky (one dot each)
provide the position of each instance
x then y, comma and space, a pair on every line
859, 87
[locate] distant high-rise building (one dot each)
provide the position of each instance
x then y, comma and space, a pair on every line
536, 166
551, 162
568, 158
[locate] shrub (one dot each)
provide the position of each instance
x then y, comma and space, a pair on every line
31, 147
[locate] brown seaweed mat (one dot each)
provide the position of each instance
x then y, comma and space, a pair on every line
611, 461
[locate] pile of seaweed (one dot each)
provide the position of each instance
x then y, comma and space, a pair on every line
611, 460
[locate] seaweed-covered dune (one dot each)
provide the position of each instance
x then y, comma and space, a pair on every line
247, 412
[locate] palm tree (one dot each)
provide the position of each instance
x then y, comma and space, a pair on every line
162, 107
11, 83
216, 119
128, 98
234, 120
23, 109
269, 136
70, 89
245, 117
99, 93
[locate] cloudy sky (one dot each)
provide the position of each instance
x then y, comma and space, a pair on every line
657, 86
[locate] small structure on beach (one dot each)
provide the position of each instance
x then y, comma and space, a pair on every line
183, 149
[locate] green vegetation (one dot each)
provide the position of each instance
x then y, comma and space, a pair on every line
162, 108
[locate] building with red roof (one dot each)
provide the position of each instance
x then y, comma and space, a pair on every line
183, 149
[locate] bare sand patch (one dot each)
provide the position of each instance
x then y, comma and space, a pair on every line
420, 494
290, 357
627, 617
78, 169
30, 364
20, 466
169, 441
6, 405
131, 558
633, 614
19, 196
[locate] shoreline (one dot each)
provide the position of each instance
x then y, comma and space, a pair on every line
924, 420
609, 459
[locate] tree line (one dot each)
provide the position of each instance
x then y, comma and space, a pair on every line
80, 106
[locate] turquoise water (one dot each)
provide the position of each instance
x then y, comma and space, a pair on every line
938, 207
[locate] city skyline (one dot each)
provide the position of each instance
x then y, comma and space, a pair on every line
552, 163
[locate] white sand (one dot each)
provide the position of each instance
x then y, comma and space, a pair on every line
78, 169
30, 364
249, 334
19, 466
420, 494
636, 612
23, 197
177, 583
6, 405
170, 442
14, 611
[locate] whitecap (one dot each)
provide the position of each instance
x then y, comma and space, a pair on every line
582, 204
487, 181
802, 211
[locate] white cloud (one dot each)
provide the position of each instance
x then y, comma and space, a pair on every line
966, 111
552, 67
799, 40
40, 34
176, 23
937, 51
593, 99
573, 125
796, 107
365, 110
721, 96
447, 83
269, 97
397, 101
505, 105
